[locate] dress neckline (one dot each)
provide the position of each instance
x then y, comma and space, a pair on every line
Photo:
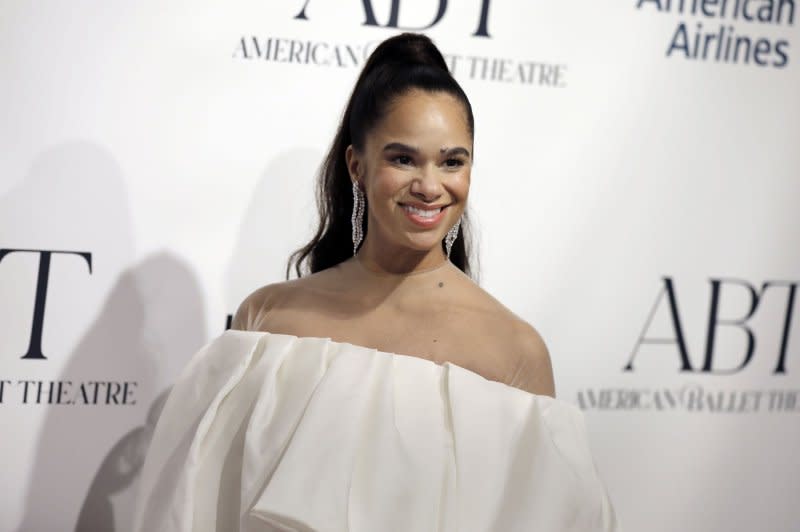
360, 347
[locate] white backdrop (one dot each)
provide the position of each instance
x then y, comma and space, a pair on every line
633, 193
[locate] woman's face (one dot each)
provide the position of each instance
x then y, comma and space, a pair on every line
415, 170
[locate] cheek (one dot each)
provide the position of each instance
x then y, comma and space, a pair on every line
460, 185
387, 185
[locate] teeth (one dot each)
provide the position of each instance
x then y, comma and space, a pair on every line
424, 213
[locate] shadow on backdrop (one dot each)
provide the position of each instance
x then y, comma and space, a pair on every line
145, 321
280, 218
171, 329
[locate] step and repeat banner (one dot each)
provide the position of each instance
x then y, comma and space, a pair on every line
635, 192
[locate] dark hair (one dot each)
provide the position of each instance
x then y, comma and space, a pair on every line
400, 63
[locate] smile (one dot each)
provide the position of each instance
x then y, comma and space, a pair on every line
424, 216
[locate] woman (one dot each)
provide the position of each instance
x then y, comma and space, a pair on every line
384, 390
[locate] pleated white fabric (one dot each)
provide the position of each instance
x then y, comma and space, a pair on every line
273, 432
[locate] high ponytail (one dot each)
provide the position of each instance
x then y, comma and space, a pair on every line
400, 63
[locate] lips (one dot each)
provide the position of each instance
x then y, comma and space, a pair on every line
424, 216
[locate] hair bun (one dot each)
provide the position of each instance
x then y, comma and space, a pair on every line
408, 49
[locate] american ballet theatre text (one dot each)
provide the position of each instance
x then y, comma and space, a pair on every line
57, 392
709, 396
63, 392
469, 67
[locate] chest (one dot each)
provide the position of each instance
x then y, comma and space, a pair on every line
440, 333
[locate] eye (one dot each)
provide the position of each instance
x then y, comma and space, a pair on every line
402, 159
454, 162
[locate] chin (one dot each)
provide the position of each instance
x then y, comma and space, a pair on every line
426, 244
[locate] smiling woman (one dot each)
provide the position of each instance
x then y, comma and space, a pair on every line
405, 138
382, 389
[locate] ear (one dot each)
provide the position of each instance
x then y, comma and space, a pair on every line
355, 166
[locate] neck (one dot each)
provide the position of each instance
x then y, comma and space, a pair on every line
405, 262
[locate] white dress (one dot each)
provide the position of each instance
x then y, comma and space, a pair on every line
266, 432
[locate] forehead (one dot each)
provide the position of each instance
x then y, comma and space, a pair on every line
421, 115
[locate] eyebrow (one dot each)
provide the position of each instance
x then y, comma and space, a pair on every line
399, 146
455, 151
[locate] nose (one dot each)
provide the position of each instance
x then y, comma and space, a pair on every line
427, 185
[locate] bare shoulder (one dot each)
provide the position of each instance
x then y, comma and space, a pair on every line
533, 368
255, 303
534, 372
271, 297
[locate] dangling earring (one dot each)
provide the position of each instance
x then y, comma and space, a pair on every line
452, 234
357, 219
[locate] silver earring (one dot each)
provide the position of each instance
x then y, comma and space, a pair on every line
452, 234
357, 219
